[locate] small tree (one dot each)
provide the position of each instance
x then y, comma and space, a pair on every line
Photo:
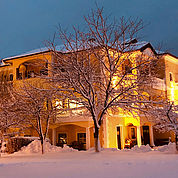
100, 68
36, 106
165, 118
8, 118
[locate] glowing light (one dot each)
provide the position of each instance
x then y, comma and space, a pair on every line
172, 91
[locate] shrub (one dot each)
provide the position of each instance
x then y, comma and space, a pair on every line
16, 143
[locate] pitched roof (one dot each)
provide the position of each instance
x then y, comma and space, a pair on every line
130, 45
35, 51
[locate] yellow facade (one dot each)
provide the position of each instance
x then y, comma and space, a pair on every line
117, 129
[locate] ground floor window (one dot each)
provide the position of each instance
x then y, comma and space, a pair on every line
81, 137
131, 138
62, 139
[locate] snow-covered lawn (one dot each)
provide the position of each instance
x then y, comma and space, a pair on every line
106, 164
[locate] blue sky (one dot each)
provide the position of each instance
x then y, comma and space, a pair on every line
26, 24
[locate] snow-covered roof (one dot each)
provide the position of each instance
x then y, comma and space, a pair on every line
160, 52
137, 45
132, 45
35, 51
2, 64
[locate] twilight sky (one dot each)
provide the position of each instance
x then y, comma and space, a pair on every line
26, 24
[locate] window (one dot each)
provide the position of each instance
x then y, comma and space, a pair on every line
62, 138
18, 74
127, 67
133, 136
81, 137
72, 104
132, 131
170, 77
27, 135
11, 77
31, 74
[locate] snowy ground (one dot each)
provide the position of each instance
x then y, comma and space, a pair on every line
81, 164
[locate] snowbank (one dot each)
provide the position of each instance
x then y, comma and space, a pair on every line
35, 147
136, 148
142, 148
89, 165
170, 148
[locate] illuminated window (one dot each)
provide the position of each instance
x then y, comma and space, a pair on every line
75, 105
60, 104
81, 137
62, 139
131, 131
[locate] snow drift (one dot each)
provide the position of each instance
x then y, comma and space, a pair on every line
35, 147
170, 148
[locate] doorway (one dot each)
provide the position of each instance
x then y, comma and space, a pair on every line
118, 138
146, 135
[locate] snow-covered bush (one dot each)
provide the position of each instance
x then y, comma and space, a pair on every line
142, 148
35, 147
170, 148
15, 144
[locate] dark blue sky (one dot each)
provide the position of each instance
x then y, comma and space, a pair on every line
25, 24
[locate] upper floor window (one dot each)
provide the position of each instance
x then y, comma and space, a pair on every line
127, 67
11, 77
30, 74
170, 77
18, 74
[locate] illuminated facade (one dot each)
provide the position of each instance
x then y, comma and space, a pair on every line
118, 130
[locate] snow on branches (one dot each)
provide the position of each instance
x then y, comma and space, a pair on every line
165, 118
100, 68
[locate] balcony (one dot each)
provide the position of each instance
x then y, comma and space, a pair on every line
31, 69
159, 84
68, 117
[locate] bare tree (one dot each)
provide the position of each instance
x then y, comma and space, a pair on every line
8, 117
36, 105
165, 117
100, 67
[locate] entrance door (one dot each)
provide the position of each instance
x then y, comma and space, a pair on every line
146, 135
118, 138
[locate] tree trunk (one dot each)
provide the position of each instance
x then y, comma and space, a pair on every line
2, 142
96, 139
176, 141
42, 145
